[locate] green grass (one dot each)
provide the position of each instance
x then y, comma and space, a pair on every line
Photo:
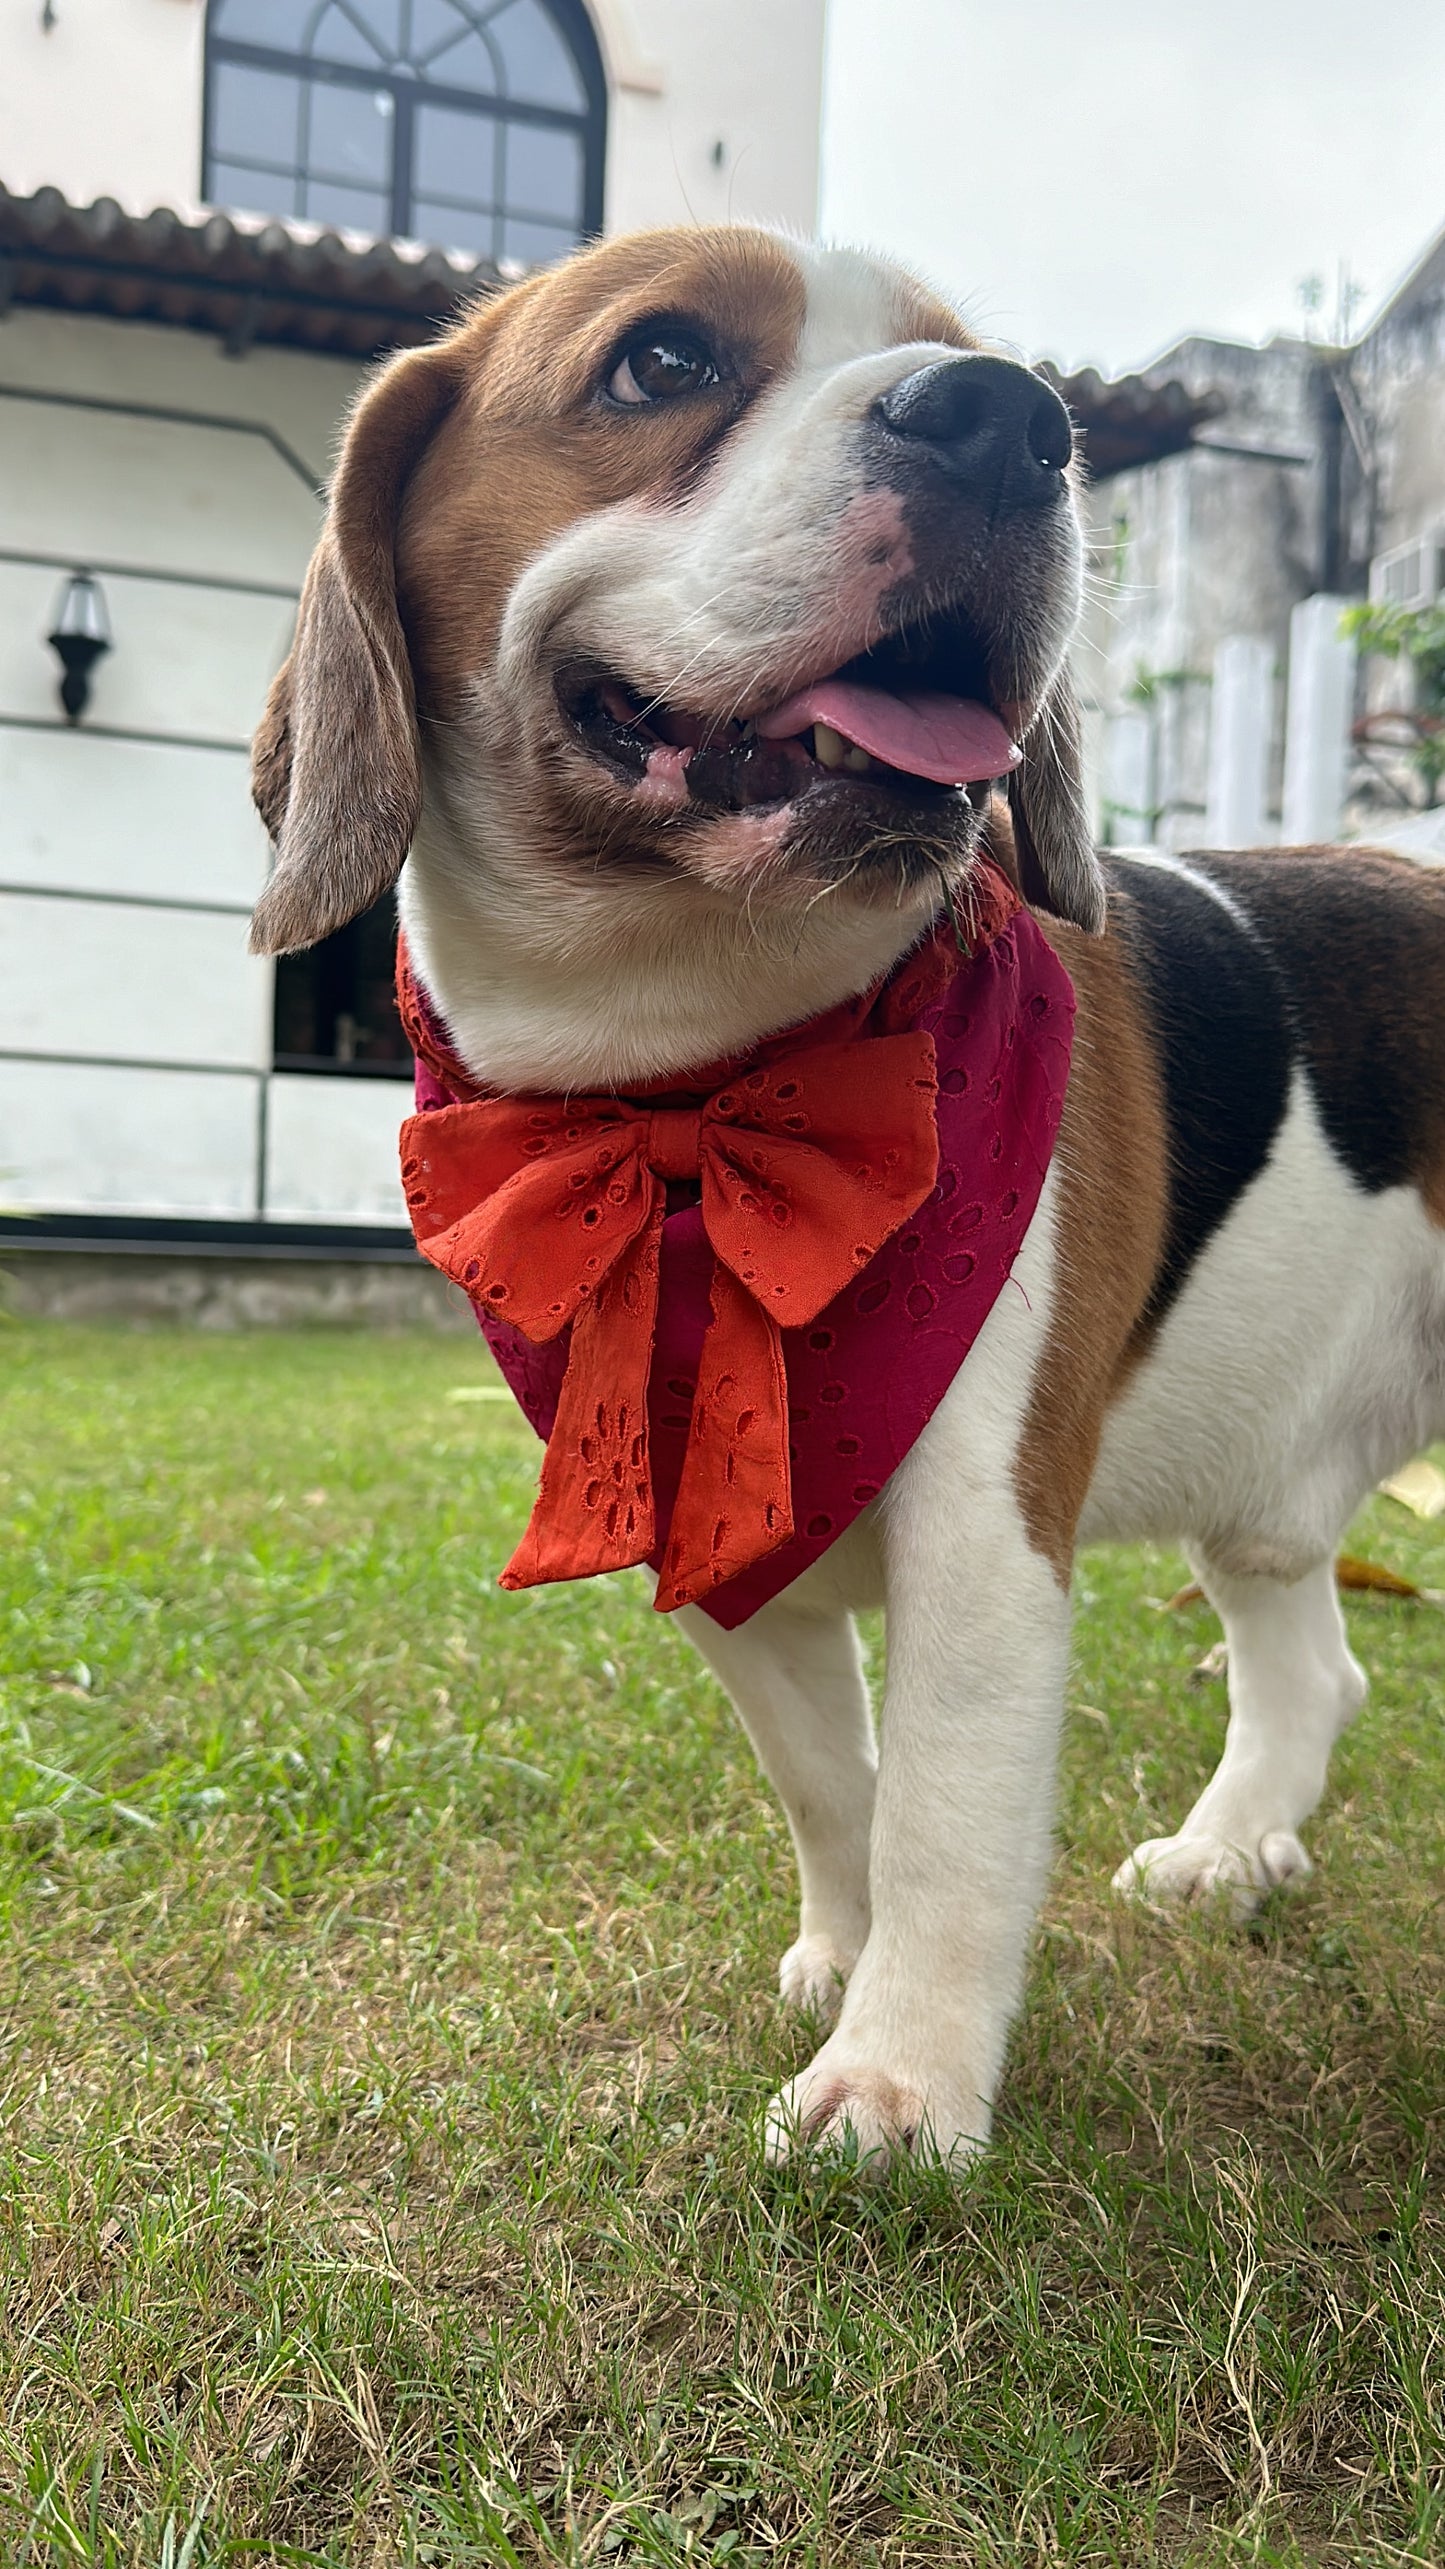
387, 2016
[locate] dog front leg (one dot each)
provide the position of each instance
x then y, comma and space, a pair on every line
978, 1633
796, 1679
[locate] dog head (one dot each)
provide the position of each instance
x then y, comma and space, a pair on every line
705, 578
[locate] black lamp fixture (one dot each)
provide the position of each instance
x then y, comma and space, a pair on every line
78, 638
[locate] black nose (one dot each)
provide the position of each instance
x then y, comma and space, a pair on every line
1000, 432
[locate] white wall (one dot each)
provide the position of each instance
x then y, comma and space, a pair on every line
331, 1149
135, 1031
296, 394
124, 1140
109, 104
723, 123
109, 981
154, 819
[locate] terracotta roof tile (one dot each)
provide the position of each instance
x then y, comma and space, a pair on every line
284, 282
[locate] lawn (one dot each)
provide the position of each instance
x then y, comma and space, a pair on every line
388, 2011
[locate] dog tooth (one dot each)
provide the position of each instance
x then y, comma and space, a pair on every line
829, 747
857, 760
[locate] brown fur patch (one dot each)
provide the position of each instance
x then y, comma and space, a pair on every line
530, 450
921, 314
1112, 1206
460, 463
335, 771
880, 2110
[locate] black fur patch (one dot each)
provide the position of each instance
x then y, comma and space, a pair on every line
1221, 1020
1358, 938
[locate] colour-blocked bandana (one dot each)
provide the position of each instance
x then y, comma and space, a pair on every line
731, 1302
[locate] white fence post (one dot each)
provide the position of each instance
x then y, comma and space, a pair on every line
1241, 720
1317, 726
1129, 776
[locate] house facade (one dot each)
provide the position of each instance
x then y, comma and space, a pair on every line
212, 220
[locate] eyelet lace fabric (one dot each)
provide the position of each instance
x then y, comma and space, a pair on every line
731, 1306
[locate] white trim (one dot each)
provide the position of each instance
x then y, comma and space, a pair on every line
624, 58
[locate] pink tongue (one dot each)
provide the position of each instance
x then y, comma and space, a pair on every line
946, 738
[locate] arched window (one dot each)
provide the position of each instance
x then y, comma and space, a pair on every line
475, 124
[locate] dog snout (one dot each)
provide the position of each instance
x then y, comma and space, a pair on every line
1000, 434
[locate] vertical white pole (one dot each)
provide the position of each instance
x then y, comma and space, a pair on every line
1317, 727
1129, 776
1241, 719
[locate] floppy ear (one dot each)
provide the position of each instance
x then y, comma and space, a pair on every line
334, 767
1058, 868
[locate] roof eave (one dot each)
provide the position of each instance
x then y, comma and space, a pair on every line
251, 280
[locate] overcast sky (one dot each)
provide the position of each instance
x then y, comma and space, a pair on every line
1094, 181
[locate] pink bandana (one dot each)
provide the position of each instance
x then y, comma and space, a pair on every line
865, 1377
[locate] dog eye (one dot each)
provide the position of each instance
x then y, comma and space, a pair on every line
658, 364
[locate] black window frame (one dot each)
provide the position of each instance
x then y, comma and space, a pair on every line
410, 90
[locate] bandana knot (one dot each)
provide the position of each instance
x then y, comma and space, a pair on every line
549, 1214
674, 1141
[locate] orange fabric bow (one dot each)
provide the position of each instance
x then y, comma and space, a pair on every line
550, 1211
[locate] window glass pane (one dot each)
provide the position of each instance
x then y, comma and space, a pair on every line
455, 154
471, 64
250, 191
435, 23
360, 31
281, 24
535, 243
544, 172
454, 227
325, 148
336, 1005
359, 207
255, 114
379, 1034
381, 20
540, 68
350, 136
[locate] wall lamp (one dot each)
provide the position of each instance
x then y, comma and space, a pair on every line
79, 637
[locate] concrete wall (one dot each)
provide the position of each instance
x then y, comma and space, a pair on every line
1398, 374
1399, 369
1187, 553
1211, 545
220, 1294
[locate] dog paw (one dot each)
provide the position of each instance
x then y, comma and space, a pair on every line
1169, 1871
847, 2110
812, 1974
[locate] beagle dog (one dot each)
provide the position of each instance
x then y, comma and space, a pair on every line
579, 555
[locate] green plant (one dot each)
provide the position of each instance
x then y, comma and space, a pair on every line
1148, 685
1415, 634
